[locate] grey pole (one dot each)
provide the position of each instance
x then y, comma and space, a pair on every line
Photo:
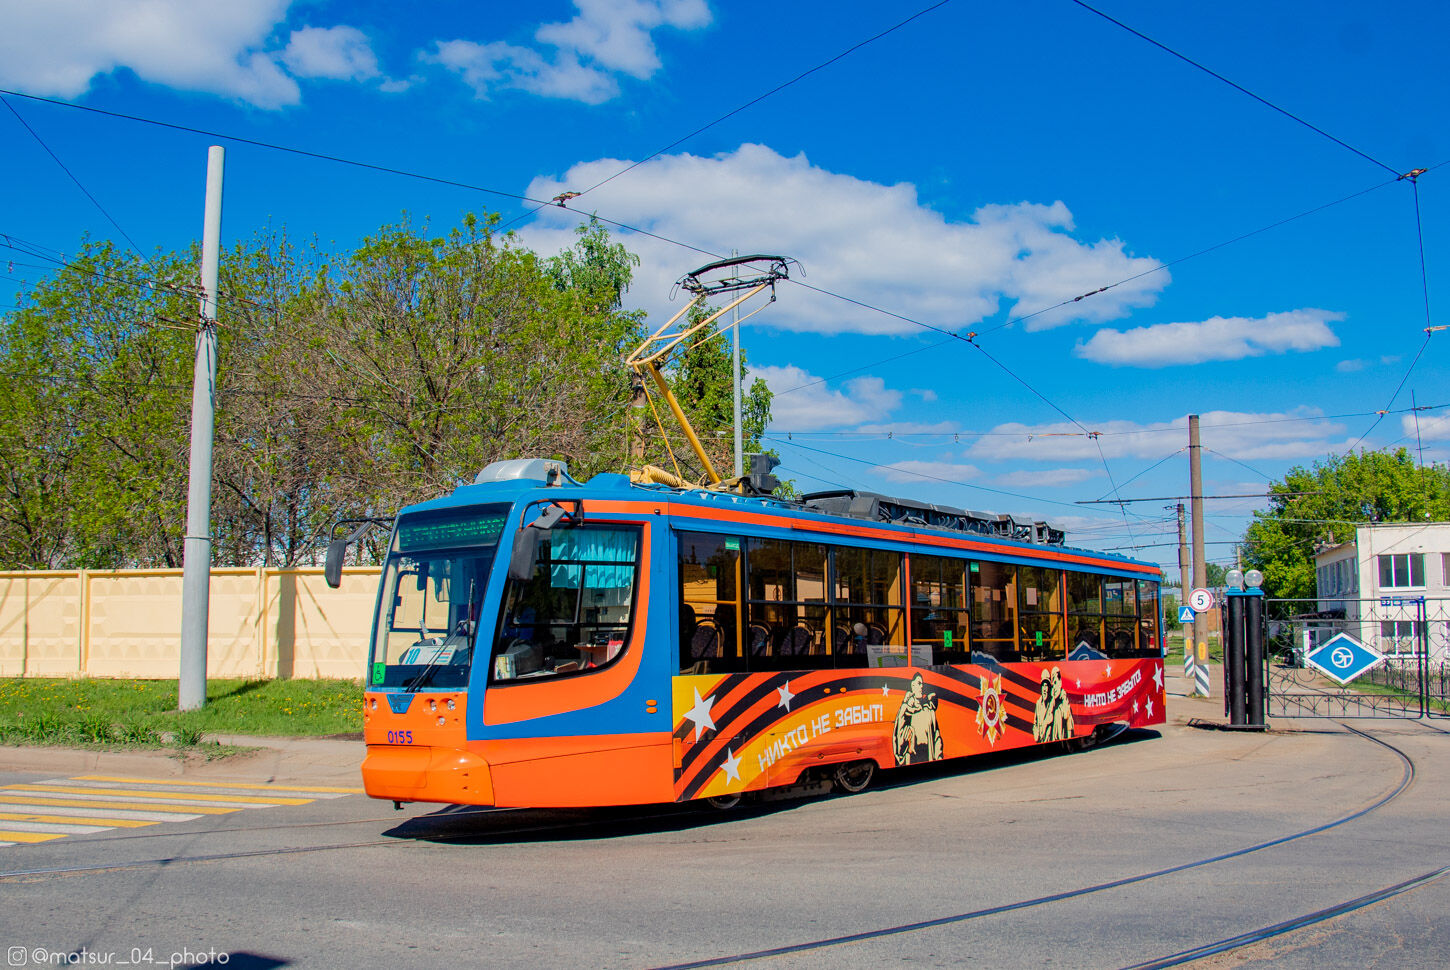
196, 561
739, 433
1195, 511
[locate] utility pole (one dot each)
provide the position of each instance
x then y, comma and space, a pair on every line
1185, 581
196, 553
1200, 569
735, 383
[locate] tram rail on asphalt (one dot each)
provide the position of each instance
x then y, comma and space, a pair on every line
540, 642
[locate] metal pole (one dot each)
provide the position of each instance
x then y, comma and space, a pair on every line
1185, 583
1422, 634
196, 561
735, 383
1200, 570
1233, 656
1254, 656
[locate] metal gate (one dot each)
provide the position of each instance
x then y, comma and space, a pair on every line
1412, 634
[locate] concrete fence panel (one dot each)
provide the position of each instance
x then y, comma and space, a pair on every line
40, 623
315, 631
127, 623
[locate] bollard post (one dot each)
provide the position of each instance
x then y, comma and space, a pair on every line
1233, 657
1254, 656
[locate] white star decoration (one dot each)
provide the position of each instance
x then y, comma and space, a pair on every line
700, 714
1150, 707
785, 696
885, 690
1079, 683
1107, 671
731, 766
1135, 706
1158, 676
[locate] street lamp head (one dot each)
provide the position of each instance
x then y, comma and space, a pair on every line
1234, 579
1254, 578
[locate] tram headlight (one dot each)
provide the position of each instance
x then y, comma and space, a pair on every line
442, 720
432, 705
374, 703
451, 705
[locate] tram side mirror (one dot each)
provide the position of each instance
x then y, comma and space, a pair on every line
332, 566
527, 541
337, 550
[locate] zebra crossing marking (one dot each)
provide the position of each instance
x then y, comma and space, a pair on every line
38, 812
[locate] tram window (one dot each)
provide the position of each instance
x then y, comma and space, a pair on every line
786, 605
1120, 606
994, 609
868, 627
1039, 605
1148, 645
939, 608
710, 607
574, 613
1084, 613
1119, 597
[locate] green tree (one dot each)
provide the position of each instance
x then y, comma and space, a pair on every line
348, 384
1324, 502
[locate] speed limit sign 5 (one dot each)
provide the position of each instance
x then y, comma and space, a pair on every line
1200, 599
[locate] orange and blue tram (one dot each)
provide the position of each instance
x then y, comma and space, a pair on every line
539, 642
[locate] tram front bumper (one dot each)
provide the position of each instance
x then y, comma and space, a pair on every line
424, 773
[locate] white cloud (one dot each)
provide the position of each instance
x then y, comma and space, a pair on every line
616, 34
819, 406
487, 66
606, 38
917, 471
866, 240
1350, 366
1046, 477
338, 53
1217, 338
1246, 436
1432, 427
59, 47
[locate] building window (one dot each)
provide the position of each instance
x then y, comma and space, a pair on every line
1399, 637
1407, 569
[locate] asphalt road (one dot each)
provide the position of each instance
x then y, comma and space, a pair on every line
933, 867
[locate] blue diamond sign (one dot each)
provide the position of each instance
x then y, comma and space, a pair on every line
1343, 658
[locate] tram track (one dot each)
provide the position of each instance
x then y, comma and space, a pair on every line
1200, 952
1406, 780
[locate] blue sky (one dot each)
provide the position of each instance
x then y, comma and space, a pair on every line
981, 163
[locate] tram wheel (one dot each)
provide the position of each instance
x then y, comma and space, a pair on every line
1090, 740
855, 776
724, 802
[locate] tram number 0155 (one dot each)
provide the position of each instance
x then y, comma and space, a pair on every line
400, 737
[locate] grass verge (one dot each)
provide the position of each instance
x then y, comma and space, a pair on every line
142, 713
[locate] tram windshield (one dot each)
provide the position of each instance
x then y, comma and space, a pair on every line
433, 585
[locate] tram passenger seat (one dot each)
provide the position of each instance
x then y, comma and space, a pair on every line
760, 640
797, 641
